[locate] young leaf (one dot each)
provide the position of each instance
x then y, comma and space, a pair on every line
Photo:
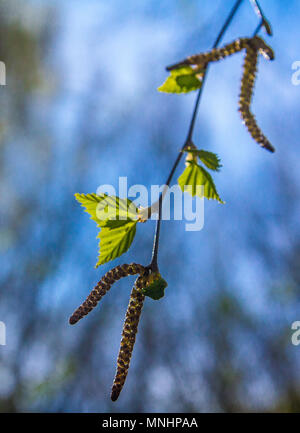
117, 219
181, 80
116, 211
108, 211
156, 288
194, 175
210, 159
115, 241
90, 202
113, 224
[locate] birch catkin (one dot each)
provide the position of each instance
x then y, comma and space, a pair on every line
253, 47
216, 54
130, 330
103, 287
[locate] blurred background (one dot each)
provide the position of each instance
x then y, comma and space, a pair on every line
80, 108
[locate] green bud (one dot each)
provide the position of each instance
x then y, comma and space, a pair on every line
156, 288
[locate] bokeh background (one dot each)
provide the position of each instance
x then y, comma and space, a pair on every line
80, 109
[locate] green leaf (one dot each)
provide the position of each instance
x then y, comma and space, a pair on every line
181, 80
117, 219
113, 224
108, 211
115, 211
210, 159
115, 241
90, 202
194, 176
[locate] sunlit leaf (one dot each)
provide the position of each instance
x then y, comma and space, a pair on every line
193, 177
115, 211
90, 202
181, 80
117, 218
115, 242
108, 211
210, 159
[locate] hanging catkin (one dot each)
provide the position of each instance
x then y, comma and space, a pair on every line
130, 330
253, 47
216, 54
103, 287
249, 74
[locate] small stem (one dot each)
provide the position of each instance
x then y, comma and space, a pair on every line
265, 23
260, 25
154, 264
217, 41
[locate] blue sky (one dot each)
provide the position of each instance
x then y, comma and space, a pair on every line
101, 117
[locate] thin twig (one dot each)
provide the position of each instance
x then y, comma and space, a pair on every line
225, 26
260, 25
258, 10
